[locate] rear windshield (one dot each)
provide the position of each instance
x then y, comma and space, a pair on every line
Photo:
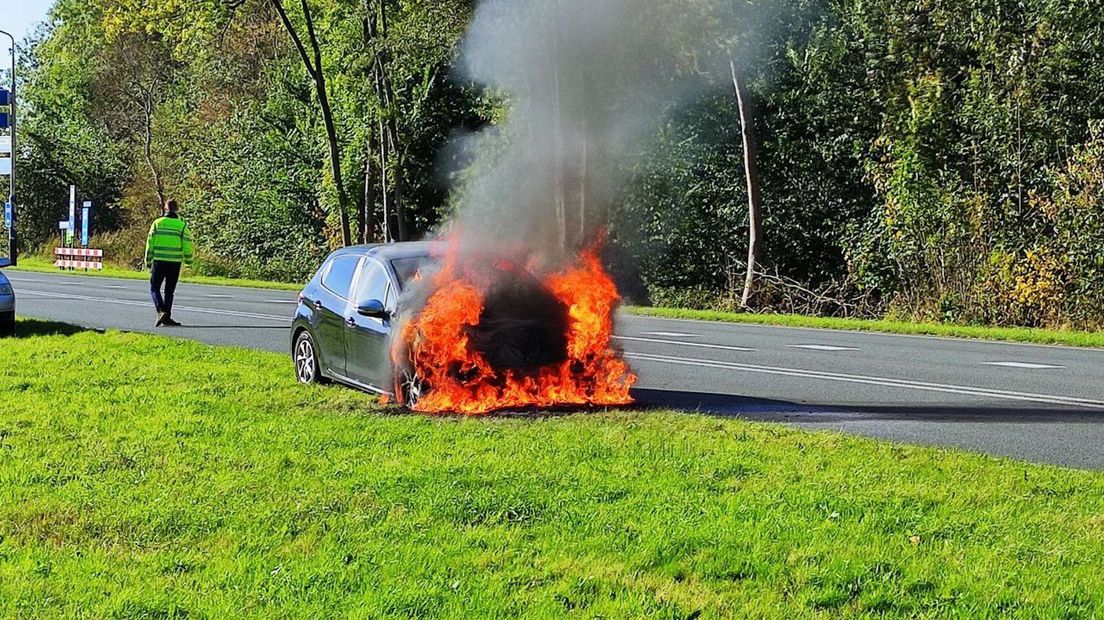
407, 268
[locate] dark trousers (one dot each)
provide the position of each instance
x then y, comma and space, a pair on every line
166, 274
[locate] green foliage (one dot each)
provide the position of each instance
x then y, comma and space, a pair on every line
147, 477
232, 128
938, 161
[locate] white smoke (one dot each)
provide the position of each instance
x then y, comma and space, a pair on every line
586, 84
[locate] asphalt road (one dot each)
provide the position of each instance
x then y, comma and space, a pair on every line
1038, 403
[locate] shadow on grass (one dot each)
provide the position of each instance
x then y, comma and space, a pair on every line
30, 328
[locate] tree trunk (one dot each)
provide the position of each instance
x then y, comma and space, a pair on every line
314, 69
158, 183
557, 120
583, 190
400, 208
387, 233
751, 172
389, 134
368, 209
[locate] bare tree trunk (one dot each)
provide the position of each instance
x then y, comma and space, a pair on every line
400, 208
389, 132
314, 69
751, 171
368, 211
158, 183
557, 125
387, 234
583, 189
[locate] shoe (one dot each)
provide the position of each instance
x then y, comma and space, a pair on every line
161, 316
169, 322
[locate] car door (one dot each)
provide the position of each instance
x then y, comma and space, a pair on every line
367, 352
331, 308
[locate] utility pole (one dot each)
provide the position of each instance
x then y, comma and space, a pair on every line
13, 237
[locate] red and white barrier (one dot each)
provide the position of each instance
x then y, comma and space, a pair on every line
78, 253
77, 258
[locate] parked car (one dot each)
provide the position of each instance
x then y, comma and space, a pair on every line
342, 326
7, 307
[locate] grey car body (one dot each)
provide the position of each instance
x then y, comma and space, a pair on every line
7, 307
344, 318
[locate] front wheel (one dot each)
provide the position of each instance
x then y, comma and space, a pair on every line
409, 387
7, 324
305, 356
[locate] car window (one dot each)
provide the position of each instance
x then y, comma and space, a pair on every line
373, 283
407, 268
339, 277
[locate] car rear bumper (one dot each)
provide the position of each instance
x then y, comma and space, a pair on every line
7, 304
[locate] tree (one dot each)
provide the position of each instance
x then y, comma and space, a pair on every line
312, 62
137, 74
751, 173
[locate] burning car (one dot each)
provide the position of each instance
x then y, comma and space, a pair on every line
441, 332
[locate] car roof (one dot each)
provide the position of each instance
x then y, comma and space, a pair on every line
3, 278
397, 250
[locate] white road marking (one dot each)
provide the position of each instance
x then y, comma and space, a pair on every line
216, 296
281, 301
115, 286
880, 381
146, 304
821, 347
1023, 365
700, 345
672, 334
828, 330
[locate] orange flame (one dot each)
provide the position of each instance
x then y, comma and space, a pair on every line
461, 379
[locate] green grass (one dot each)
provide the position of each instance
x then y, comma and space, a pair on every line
142, 477
1011, 334
42, 265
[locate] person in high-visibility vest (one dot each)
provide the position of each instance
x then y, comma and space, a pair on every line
167, 246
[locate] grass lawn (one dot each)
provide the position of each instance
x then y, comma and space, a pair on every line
142, 477
34, 263
1011, 334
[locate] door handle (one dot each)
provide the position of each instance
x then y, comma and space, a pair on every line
351, 322
318, 304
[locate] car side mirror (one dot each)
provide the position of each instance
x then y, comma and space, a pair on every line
373, 309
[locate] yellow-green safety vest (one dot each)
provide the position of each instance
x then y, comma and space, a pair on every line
168, 241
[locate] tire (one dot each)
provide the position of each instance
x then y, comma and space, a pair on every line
7, 325
409, 387
305, 357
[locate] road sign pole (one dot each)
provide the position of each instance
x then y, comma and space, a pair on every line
13, 236
71, 231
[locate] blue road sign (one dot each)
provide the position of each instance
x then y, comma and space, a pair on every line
7, 214
5, 122
5, 97
86, 222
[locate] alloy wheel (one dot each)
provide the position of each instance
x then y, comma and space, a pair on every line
305, 367
412, 388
